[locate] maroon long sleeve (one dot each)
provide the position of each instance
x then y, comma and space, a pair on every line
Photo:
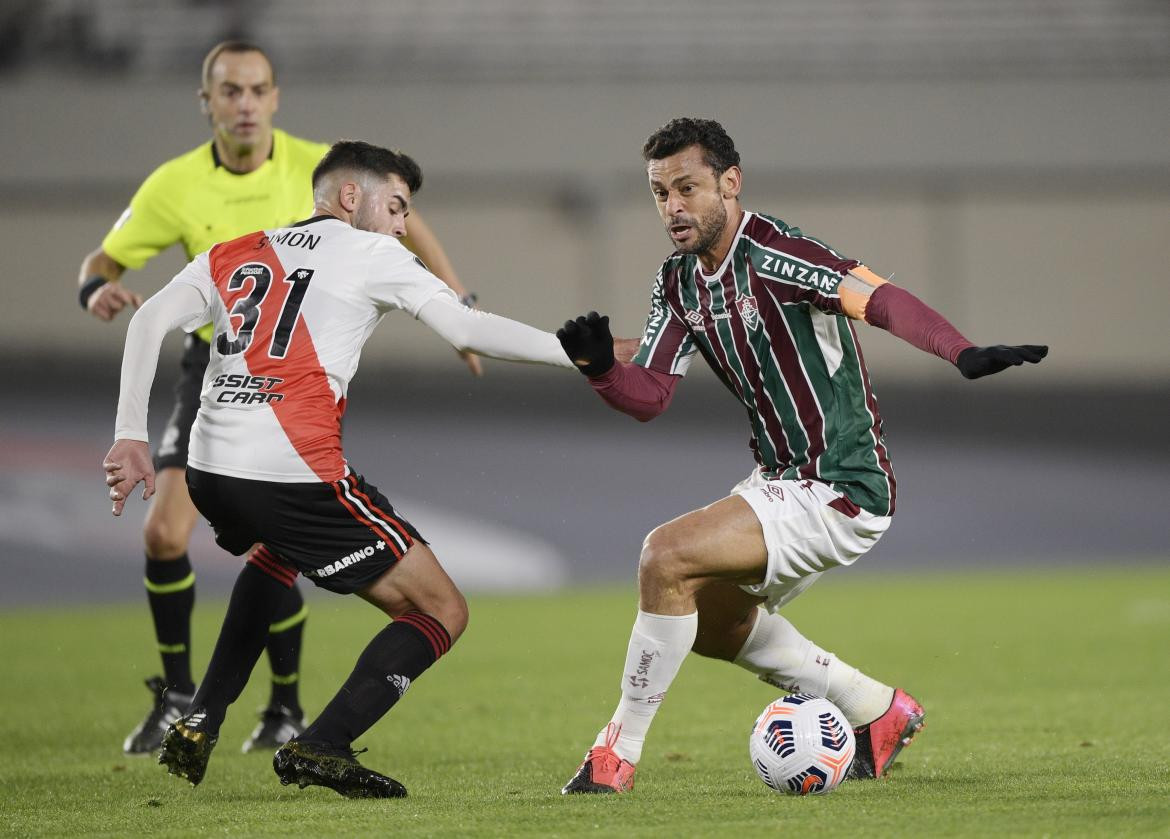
901, 313
640, 392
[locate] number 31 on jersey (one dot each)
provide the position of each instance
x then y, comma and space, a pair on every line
249, 309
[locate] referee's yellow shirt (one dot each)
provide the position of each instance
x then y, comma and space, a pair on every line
194, 200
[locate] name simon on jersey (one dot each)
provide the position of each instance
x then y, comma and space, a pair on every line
242, 389
781, 268
291, 239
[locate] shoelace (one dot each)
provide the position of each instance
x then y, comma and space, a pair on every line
609, 759
612, 732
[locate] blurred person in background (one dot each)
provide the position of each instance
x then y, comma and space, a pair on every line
248, 176
771, 311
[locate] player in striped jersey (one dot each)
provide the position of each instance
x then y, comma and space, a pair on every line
291, 309
249, 175
771, 311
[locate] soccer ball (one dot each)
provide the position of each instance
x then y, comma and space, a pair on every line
802, 744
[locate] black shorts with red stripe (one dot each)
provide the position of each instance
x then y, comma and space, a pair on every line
342, 535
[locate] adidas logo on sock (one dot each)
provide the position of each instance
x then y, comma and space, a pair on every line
400, 682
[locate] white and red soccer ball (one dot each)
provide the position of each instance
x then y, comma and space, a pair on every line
802, 745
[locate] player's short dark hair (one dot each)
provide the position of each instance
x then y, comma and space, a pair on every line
683, 132
364, 157
233, 47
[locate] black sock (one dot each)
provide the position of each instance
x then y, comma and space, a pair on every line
170, 588
256, 597
396, 657
285, 636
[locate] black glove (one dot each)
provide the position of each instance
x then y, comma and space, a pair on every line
975, 362
588, 343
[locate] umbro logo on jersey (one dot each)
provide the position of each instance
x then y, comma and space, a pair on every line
694, 318
348, 560
772, 492
749, 312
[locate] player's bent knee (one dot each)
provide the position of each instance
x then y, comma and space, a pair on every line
454, 615
162, 540
664, 559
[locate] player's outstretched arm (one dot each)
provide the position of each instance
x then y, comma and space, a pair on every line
100, 290
469, 330
629, 388
423, 242
866, 296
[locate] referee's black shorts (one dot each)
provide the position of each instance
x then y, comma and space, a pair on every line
172, 449
342, 535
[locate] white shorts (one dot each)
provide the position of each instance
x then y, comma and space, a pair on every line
808, 529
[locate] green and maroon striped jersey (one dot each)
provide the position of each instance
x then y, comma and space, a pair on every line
769, 322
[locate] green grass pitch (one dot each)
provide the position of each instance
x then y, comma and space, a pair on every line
1047, 697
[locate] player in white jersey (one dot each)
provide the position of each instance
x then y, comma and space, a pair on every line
291, 309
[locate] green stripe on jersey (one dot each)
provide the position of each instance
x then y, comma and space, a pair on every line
812, 360
778, 400
858, 464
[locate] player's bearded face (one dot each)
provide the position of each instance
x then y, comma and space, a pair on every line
690, 203
707, 227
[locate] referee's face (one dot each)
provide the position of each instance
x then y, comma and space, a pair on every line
241, 100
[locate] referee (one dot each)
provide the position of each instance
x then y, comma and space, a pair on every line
248, 176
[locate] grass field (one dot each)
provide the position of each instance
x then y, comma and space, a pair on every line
1047, 697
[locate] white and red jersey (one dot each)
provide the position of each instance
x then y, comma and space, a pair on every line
292, 309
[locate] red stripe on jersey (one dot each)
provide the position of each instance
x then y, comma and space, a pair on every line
353, 511
309, 412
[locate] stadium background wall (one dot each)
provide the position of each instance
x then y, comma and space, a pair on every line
1025, 210
1028, 207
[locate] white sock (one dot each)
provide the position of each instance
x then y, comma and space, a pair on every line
658, 645
781, 656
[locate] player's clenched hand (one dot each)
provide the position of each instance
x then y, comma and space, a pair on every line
110, 299
975, 362
127, 463
588, 343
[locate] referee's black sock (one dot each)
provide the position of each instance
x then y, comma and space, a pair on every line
256, 598
170, 589
285, 636
393, 659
